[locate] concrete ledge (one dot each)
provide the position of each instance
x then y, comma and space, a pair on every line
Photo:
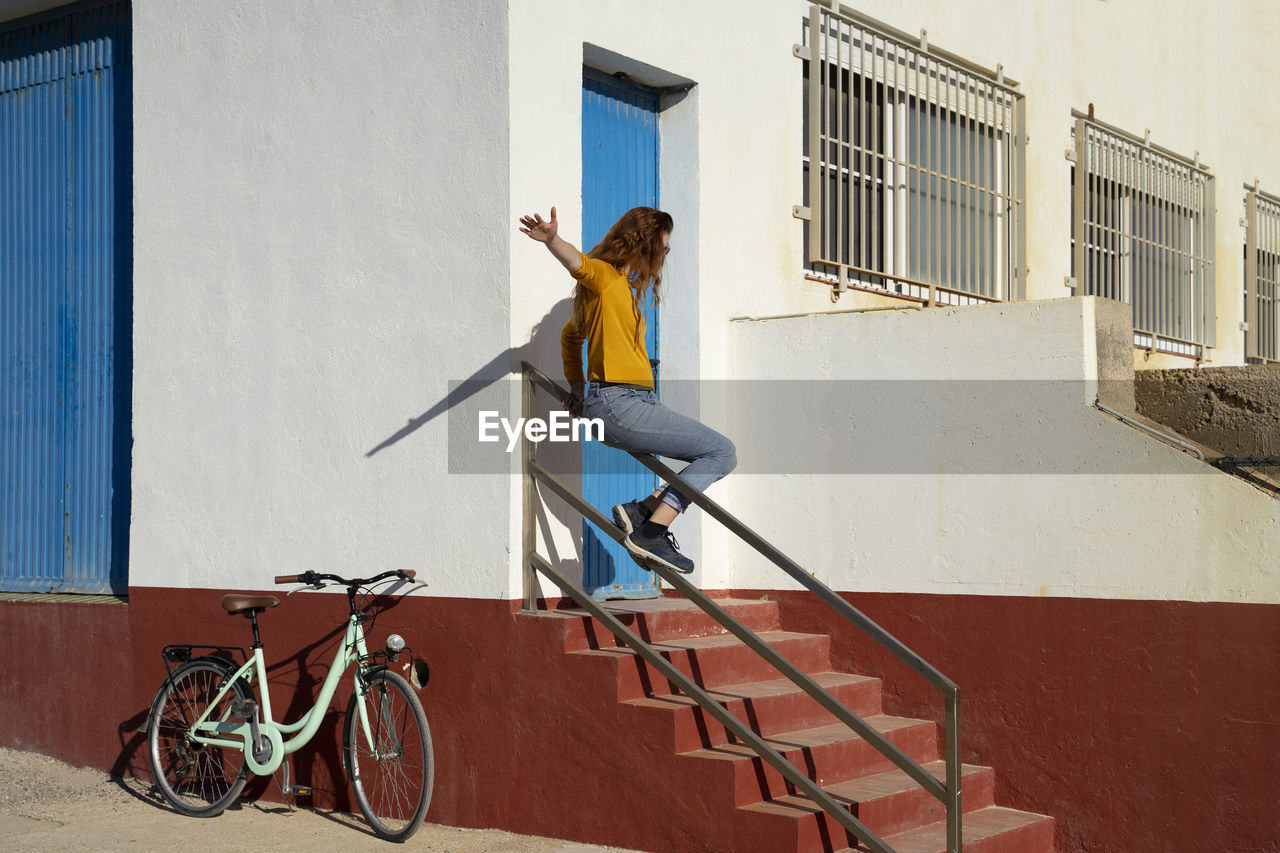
1113, 331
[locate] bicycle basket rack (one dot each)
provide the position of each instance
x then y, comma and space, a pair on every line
180, 653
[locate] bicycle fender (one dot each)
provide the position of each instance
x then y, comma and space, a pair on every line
228, 668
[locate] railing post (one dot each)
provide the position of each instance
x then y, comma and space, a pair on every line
528, 522
1018, 159
817, 171
1079, 215
954, 836
1205, 261
1251, 290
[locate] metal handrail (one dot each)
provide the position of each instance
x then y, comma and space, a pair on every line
687, 686
1189, 448
949, 793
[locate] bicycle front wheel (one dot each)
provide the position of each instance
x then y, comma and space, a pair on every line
392, 769
197, 779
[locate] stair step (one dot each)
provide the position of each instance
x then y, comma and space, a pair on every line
760, 809
889, 802
766, 707
712, 661
990, 830
825, 754
659, 619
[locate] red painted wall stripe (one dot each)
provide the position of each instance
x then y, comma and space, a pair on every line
1138, 725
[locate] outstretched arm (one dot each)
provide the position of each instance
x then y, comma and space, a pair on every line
546, 231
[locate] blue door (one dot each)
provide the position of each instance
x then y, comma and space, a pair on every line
65, 322
619, 172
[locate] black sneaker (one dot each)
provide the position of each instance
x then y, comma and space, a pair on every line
628, 516
661, 549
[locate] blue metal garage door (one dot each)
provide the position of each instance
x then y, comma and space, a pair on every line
619, 172
65, 297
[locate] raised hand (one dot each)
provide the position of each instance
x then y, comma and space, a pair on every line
539, 229
545, 232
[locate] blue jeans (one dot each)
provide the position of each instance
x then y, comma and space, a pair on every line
634, 419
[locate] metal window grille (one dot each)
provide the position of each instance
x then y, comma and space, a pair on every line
1262, 277
1142, 233
914, 166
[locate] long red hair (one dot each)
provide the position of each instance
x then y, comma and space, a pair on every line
634, 247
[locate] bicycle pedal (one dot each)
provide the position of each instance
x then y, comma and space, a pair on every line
243, 708
298, 791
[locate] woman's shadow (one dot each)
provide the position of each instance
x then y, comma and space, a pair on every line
543, 345
487, 388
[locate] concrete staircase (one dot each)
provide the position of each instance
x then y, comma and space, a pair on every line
750, 807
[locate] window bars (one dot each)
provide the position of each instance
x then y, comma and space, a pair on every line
1261, 276
914, 166
1142, 233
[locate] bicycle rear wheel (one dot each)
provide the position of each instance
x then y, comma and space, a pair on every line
197, 779
393, 775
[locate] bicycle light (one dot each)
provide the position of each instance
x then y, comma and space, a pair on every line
395, 645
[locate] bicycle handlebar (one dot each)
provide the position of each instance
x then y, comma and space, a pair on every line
314, 578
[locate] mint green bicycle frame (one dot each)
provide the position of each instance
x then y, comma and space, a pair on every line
240, 735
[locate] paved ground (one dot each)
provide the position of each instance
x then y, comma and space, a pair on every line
46, 805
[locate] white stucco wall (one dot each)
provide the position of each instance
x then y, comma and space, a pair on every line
1115, 55
1064, 57
318, 189
1056, 498
325, 206
736, 143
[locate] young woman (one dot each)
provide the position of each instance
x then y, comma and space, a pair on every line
608, 312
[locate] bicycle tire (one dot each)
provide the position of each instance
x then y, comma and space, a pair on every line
220, 773
393, 777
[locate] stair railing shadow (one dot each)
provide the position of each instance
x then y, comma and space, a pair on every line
948, 792
564, 515
544, 337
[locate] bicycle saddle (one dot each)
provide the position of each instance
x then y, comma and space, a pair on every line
235, 603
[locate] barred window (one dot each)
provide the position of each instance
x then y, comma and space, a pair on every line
1262, 277
913, 167
1142, 233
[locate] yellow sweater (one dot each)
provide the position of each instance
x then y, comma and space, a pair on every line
615, 352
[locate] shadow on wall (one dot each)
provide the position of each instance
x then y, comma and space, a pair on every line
544, 337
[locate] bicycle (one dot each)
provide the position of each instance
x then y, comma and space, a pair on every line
207, 732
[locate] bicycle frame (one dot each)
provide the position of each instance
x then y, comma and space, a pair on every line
248, 735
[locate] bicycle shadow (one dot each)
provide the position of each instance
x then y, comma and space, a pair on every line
132, 733
319, 764
131, 772
347, 820
301, 673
